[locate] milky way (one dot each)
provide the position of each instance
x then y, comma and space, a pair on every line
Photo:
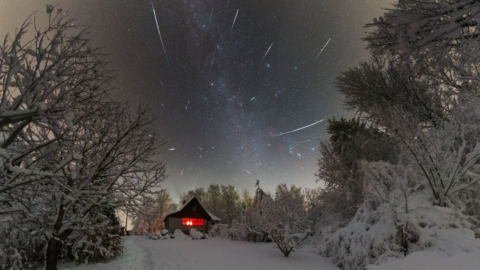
237, 73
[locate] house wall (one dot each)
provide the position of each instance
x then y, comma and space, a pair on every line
176, 223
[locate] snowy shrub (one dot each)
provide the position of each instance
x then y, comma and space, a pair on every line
397, 218
95, 244
432, 260
285, 219
18, 250
179, 235
236, 232
218, 230
196, 234
252, 225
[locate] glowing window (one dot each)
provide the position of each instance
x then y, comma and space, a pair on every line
192, 222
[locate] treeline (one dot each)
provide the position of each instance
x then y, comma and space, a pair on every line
227, 203
281, 217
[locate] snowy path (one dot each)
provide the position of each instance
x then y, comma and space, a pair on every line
213, 254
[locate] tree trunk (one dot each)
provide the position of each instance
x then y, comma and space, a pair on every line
54, 249
51, 255
55, 242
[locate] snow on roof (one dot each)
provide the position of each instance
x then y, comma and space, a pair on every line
212, 216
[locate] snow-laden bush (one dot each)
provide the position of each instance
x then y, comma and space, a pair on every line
252, 225
236, 232
399, 217
95, 244
432, 260
196, 234
286, 220
218, 230
281, 219
179, 235
18, 250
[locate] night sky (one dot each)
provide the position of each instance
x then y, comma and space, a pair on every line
218, 100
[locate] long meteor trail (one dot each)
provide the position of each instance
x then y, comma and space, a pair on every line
322, 49
234, 20
159, 34
298, 129
267, 51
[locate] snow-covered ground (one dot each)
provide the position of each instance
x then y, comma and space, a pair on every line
141, 253
433, 260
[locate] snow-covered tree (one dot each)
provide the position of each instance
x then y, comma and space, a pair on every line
285, 219
213, 199
421, 89
198, 193
150, 215
416, 201
313, 203
47, 83
69, 149
384, 86
351, 142
116, 167
413, 26
230, 203
439, 39
251, 224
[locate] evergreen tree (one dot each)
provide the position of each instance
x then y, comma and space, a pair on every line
111, 215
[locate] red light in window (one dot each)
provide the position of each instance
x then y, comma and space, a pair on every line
192, 222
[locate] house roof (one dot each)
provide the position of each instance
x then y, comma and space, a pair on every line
215, 218
192, 200
179, 210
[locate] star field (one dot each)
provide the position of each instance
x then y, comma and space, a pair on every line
232, 80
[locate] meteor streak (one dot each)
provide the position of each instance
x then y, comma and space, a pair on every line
234, 20
322, 49
210, 21
267, 51
247, 171
298, 129
159, 34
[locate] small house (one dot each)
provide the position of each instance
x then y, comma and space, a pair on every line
192, 215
